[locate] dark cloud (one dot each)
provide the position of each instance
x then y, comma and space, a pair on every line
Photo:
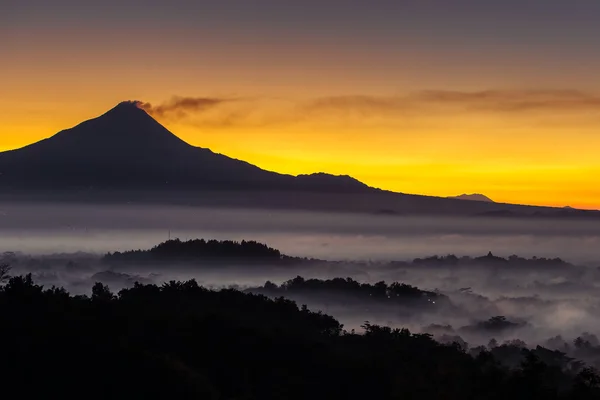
360, 104
178, 107
522, 100
487, 101
220, 112
224, 112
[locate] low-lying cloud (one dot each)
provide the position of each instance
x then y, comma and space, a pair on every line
215, 112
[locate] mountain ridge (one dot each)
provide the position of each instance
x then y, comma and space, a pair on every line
126, 155
126, 146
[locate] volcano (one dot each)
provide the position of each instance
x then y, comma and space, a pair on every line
127, 148
125, 155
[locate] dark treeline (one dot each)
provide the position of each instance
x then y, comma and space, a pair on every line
251, 251
347, 289
180, 340
574, 355
491, 260
494, 325
199, 250
381, 298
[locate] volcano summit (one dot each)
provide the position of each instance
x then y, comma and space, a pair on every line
127, 148
127, 151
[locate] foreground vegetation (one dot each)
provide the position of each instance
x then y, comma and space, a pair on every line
181, 340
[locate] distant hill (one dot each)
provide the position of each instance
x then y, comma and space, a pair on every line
126, 156
197, 251
194, 251
473, 197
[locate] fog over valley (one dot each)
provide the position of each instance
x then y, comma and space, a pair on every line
300, 200
488, 279
55, 227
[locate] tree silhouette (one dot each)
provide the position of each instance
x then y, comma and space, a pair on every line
181, 340
4, 272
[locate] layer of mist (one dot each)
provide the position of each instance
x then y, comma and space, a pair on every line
49, 228
489, 295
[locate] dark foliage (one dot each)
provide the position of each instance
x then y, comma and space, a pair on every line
4, 270
491, 260
180, 340
247, 252
494, 325
346, 291
199, 250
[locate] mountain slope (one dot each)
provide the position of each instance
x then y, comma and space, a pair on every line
125, 155
127, 148
473, 197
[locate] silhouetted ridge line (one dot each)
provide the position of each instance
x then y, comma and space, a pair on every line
200, 250
344, 290
474, 197
125, 155
250, 251
125, 148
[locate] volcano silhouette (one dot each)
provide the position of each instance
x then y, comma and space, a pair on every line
127, 148
126, 155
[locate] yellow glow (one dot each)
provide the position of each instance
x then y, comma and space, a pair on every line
542, 156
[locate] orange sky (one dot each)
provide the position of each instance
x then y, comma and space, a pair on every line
439, 109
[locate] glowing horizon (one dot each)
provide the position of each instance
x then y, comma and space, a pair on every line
376, 172
416, 97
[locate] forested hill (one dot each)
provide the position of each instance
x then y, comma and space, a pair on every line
182, 341
199, 250
346, 290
